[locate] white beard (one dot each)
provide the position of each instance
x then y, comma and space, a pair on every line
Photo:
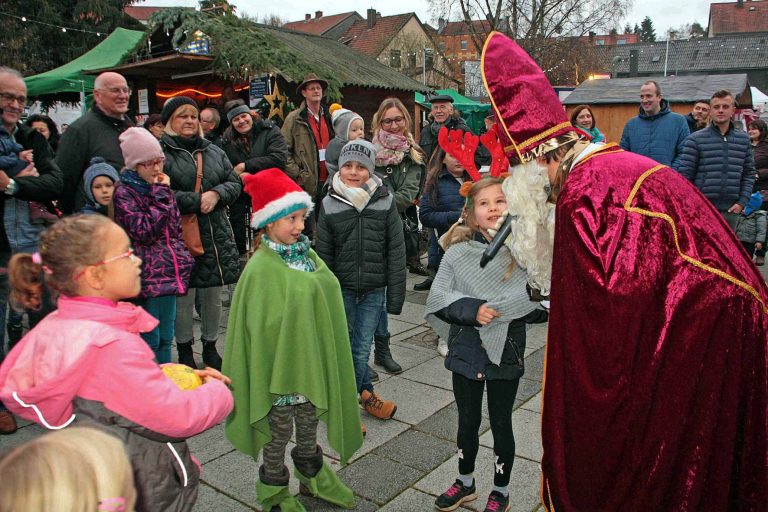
533, 223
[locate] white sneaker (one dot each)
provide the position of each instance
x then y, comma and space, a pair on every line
442, 347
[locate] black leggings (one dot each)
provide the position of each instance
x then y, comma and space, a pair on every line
469, 399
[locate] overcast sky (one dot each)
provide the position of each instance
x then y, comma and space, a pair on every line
664, 13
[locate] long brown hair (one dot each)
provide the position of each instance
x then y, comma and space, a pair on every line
433, 174
69, 245
575, 113
417, 155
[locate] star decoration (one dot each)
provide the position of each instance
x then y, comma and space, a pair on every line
499, 467
275, 101
461, 454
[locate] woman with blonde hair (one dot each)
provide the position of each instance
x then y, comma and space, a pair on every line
186, 149
79, 469
400, 165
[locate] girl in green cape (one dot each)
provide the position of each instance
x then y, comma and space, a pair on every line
288, 353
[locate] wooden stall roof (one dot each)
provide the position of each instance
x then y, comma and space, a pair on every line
162, 67
675, 89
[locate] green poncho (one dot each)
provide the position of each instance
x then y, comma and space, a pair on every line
287, 333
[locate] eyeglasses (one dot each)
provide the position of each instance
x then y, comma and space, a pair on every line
126, 254
6, 96
394, 120
150, 163
117, 90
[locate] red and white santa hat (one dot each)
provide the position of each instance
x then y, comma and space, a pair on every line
274, 195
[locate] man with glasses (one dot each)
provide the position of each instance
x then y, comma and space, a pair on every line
210, 120
94, 134
38, 181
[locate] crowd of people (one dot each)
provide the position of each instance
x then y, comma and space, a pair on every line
115, 236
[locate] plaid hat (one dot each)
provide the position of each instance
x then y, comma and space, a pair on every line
172, 104
360, 151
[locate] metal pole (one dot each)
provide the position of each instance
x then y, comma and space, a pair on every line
424, 64
666, 55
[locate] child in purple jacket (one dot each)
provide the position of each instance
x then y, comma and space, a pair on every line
146, 208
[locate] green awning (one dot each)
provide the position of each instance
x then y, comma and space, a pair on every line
472, 111
70, 77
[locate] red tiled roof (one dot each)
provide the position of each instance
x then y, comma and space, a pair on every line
318, 26
730, 18
142, 12
455, 28
372, 41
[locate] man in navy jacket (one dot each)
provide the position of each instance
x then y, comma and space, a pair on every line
656, 132
718, 159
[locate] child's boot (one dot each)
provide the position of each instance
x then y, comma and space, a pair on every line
273, 493
185, 353
210, 356
319, 480
383, 356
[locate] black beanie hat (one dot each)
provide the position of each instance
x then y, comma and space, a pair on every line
172, 104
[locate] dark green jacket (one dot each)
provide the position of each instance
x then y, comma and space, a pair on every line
404, 180
220, 264
94, 134
365, 250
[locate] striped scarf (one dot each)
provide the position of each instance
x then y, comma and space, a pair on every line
460, 276
358, 196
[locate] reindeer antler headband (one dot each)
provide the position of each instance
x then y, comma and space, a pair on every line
462, 146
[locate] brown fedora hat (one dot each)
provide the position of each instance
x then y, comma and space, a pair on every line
309, 79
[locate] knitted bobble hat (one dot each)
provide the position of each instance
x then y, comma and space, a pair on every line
139, 145
341, 118
273, 196
98, 167
172, 104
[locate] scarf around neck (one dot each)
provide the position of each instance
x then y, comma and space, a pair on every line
460, 276
390, 147
296, 256
358, 196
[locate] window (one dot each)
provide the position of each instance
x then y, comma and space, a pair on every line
600, 42
656, 58
412, 60
394, 59
441, 46
621, 41
463, 67
463, 45
428, 58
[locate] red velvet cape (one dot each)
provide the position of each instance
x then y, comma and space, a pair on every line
655, 378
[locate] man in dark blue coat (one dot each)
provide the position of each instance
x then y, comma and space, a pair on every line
718, 159
656, 132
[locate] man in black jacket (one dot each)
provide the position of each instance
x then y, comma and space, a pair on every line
443, 113
39, 181
94, 134
699, 116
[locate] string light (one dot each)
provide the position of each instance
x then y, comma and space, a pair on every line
196, 91
64, 29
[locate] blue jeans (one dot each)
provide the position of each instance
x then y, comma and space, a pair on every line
160, 338
363, 314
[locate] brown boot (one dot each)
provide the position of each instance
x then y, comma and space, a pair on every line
7, 423
376, 406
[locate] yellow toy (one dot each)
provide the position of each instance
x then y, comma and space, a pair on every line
183, 376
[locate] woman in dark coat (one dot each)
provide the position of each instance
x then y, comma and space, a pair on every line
219, 264
251, 145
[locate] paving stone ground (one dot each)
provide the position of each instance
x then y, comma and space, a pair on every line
405, 462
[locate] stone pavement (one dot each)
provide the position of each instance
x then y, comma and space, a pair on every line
405, 462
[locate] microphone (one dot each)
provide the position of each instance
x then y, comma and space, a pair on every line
497, 242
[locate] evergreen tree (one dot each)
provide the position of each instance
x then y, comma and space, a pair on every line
636, 29
697, 30
33, 47
628, 29
647, 32
614, 31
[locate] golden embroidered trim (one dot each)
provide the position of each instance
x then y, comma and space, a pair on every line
700, 264
601, 151
545, 134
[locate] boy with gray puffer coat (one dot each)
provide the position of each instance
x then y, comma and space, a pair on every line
751, 225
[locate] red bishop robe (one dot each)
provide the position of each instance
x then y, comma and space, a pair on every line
655, 379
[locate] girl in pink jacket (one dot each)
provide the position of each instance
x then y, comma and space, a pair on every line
87, 364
